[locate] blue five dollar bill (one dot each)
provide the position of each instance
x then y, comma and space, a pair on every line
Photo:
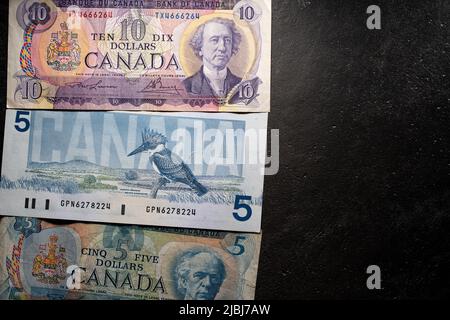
41, 260
187, 170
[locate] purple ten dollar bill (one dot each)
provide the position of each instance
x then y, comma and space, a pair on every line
140, 55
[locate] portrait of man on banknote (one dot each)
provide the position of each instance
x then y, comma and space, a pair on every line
199, 274
214, 42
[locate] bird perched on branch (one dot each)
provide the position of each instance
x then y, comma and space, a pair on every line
167, 164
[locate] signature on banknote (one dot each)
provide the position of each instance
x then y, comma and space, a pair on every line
91, 86
156, 86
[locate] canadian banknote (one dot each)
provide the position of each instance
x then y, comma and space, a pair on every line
46, 260
140, 55
190, 170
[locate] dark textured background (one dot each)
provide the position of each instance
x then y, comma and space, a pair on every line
364, 122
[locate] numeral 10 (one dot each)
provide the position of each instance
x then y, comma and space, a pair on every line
247, 13
37, 12
138, 30
32, 89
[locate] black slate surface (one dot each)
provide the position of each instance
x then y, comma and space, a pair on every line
365, 159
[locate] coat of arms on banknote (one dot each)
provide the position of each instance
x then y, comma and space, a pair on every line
63, 52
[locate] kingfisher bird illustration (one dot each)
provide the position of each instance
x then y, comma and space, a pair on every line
167, 164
